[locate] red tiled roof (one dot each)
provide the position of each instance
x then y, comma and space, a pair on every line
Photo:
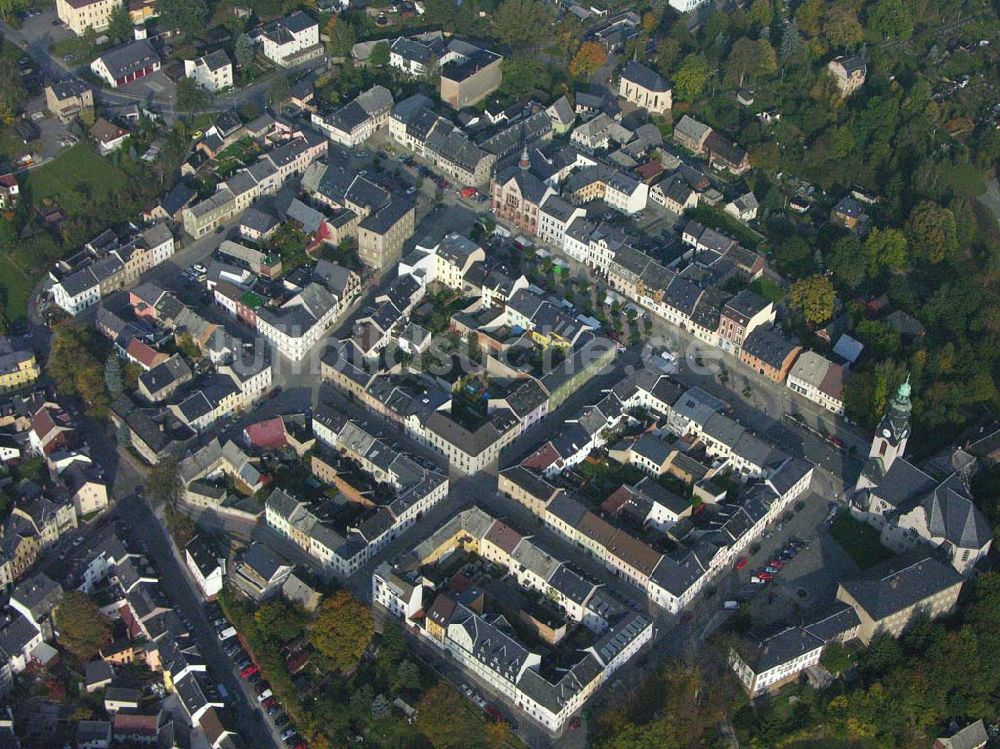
542, 458
267, 433
145, 354
504, 536
613, 504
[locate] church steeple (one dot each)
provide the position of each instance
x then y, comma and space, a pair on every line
894, 428
525, 162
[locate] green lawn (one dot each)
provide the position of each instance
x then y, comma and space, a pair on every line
76, 180
859, 540
15, 289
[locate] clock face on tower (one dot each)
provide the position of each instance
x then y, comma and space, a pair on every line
886, 433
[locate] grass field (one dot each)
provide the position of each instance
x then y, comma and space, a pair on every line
76, 179
15, 289
859, 540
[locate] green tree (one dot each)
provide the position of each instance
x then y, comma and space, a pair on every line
243, 50
691, 77
113, 376
190, 97
836, 658
932, 233
845, 261
164, 482
842, 28
793, 256
407, 676
120, 24
380, 55
812, 298
891, 19
12, 93
749, 60
522, 23
342, 629
341, 37
83, 630
884, 249
8, 7
188, 16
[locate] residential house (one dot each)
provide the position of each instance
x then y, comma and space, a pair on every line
69, 98
213, 71
468, 74
80, 15
357, 120
769, 353
819, 380
767, 663
290, 41
18, 367
109, 137
207, 566
517, 195
849, 72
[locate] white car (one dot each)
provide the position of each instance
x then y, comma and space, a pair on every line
199, 268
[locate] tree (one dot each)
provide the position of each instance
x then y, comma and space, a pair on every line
341, 37
846, 261
164, 483
190, 96
120, 24
813, 298
791, 41
380, 55
243, 50
83, 630
749, 60
407, 676
884, 249
12, 93
187, 15
587, 60
462, 728
7, 7
691, 77
842, 28
836, 658
342, 630
793, 256
113, 376
76, 368
761, 13
932, 233
521, 23
891, 19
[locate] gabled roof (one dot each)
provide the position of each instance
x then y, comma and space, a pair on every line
642, 76
900, 583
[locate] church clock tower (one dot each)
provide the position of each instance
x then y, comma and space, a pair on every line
890, 438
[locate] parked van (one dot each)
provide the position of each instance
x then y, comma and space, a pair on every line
731, 605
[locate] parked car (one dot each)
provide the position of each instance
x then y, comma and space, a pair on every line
268, 703
777, 564
731, 605
741, 563
687, 617
765, 575
287, 734
248, 671
265, 693
755, 580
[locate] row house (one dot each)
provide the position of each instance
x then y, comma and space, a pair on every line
107, 263
355, 122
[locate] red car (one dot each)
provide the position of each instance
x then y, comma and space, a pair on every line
777, 564
688, 616
249, 671
575, 723
267, 703
765, 575
741, 563
468, 192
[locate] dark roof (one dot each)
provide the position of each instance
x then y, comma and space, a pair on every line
69, 88
782, 647
178, 197
129, 58
769, 346
388, 215
643, 76
477, 61
832, 622
899, 583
